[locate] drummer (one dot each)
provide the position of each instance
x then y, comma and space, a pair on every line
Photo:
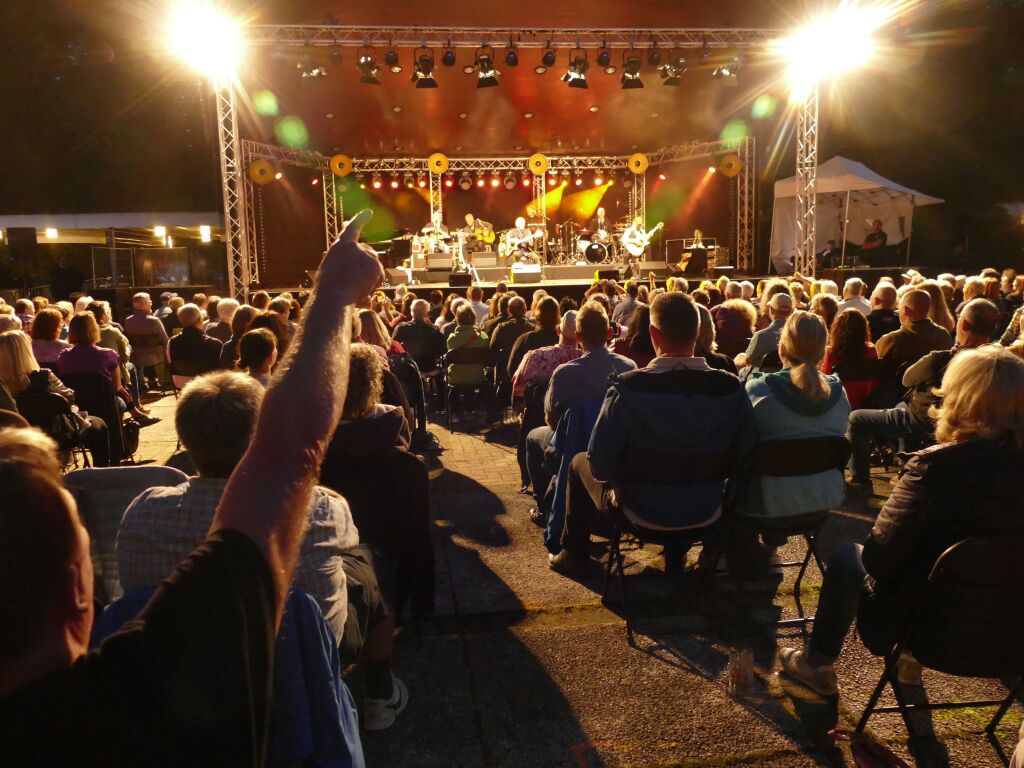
436, 234
599, 226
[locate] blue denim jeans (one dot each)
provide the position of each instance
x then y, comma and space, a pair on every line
891, 424
840, 596
538, 443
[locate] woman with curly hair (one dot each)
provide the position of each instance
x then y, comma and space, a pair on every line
849, 343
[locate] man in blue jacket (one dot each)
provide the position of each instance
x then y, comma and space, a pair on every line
665, 440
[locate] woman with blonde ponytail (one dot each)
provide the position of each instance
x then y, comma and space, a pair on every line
798, 401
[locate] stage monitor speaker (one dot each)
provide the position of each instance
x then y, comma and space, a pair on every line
438, 275
439, 260
397, 276
608, 274
491, 274
725, 269
527, 275
459, 279
644, 268
22, 242
485, 259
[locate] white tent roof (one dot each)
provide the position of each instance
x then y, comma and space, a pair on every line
842, 175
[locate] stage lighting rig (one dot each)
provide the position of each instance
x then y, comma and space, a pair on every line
465, 183
423, 68
654, 57
205, 39
547, 59
727, 69
511, 55
335, 55
672, 72
368, 67
391, 59
604, 60
448, 55
576, 74
631, 64
510, 182
487, 75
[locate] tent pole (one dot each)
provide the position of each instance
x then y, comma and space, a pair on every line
910, 236
846, 221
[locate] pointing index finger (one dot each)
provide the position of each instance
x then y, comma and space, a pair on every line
354, 226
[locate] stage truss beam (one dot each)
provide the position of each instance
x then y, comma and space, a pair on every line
806, 182
232, 168
334, 213
336, 35
746, 205
436, 195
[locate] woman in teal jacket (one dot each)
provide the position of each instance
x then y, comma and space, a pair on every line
797, 402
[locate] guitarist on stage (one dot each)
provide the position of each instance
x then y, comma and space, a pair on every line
635, 241
478, 235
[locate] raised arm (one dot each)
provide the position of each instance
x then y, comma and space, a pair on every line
268, 494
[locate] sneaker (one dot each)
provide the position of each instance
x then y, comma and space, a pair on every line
147, 421
821, 680
537, 517
380, 714
426, 442
567, 564
908, 670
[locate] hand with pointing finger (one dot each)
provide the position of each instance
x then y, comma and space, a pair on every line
350, 266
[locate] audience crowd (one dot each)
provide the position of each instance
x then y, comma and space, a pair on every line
638, 407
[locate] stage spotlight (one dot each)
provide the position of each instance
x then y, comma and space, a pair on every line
51, 233
377, 184
552, 181
487, 75
448, 57
631, 64
727, 70
662, 176
712, 169
511, 55
465, 183
510, 182
421, 182
407, 178
576, 74
369, 68
335, 56
654, 57
495, 181
628, 182
578, 181
598, 181
449, 182
604, 60
705, 51
546, 60
314, 181
672, 72
204, 38
394, 183
469, 69
423, 69
527, 181
391, 59
160, 232
278, 175
205, 236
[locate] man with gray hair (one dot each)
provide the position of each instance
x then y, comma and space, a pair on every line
883, 317
148, 338
192, 353
220, 328
767, 339
853, 297
421, 338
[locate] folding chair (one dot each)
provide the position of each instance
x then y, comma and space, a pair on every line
968, 623
43, 411
799, 457
429, 364
733, 347
467, 356
102, 495
95, 394
658, 468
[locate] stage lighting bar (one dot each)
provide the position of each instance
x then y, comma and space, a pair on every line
510, 182
576, 74
393, 62
727, 70
423, 68
487, 75
547, 60
672, 72
604, 60
369, 68
631, 65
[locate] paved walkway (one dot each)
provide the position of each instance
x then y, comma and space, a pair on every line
522, 667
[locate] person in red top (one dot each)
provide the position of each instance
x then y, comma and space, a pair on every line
849, 342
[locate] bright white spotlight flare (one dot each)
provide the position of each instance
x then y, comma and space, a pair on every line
205, 38
831, 45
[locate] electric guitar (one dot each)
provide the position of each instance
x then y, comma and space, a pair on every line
636, 244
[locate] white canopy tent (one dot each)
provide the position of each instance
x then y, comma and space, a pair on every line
850, 196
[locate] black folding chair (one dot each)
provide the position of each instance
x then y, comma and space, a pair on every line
968, 623
430, 368
733, 347
650, 467
45, 411
799, 457
95, 394
468, 356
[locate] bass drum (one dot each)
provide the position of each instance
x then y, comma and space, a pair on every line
582, 245
596, 253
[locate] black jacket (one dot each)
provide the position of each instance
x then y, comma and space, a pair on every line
945, 493
193, 353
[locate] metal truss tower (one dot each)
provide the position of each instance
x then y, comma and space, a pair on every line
806, 182
232, 172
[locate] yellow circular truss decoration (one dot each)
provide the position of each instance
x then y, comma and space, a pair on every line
730, 166
437, 163
341, 165
538, 164
261, 171
638, 163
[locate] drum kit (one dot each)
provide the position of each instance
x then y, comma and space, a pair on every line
574, 244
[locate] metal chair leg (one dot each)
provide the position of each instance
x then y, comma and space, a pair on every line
887, 673
622, 573
990, 729
613, 545
803, 566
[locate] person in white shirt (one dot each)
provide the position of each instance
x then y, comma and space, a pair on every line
476, 301
853, 297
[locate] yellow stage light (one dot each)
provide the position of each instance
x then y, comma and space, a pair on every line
204, 233
51, 233
160, 232
831, 45
205, 38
